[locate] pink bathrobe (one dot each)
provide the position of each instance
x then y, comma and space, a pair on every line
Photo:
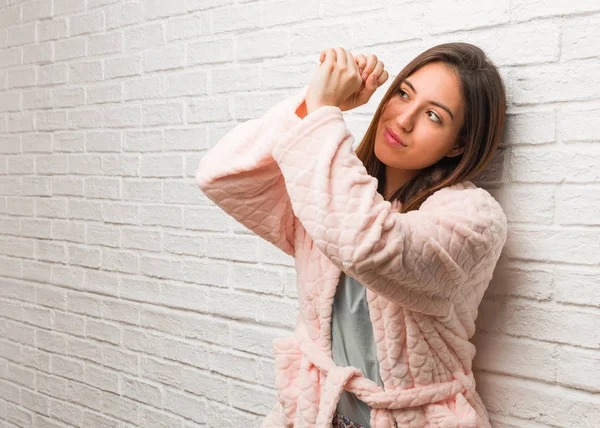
298, 184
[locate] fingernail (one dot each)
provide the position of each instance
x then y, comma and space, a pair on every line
364, 76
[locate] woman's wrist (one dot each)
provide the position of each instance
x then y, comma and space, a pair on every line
313, 107
304, 110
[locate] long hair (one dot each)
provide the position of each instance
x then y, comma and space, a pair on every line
485, 112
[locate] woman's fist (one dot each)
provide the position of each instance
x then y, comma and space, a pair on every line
336, 79
372, 75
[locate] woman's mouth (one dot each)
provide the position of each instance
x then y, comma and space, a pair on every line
392, 139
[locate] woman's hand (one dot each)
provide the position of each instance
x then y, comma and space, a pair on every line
341, 70
373, 76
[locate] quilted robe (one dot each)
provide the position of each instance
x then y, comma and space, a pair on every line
298, 184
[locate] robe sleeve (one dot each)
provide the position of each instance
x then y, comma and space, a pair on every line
241, 177
425, 259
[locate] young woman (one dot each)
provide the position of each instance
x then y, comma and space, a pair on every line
394, 246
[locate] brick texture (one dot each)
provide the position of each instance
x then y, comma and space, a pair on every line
127, 299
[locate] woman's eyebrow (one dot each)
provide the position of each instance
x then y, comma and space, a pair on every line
440, 105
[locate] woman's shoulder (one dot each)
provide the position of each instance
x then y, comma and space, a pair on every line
458, 198
469, 205
464, 192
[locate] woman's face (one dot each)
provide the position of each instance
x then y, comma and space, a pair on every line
428, 130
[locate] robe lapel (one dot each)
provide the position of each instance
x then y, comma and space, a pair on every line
329, 283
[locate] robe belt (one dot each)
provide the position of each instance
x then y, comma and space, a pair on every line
381, 401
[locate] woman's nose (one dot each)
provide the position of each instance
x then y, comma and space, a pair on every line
405, 119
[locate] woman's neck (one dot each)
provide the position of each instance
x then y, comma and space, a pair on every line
396, 178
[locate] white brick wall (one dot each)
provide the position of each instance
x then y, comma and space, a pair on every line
128, 299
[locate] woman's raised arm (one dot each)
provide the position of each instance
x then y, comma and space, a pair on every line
429, 260
240, 175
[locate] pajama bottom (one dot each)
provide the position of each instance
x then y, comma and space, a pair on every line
340, 421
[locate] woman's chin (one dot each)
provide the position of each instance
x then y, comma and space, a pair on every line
384, 152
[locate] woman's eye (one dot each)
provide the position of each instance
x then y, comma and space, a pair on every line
438, 119
401, 91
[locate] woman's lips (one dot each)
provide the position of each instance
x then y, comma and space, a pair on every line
391, 138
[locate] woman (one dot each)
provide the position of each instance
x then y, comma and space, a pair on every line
398, 219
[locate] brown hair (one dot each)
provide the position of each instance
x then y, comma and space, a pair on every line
485, 111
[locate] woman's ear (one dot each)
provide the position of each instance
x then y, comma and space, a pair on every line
459, 147
456, 150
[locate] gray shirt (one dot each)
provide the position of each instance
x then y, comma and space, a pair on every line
353, 344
